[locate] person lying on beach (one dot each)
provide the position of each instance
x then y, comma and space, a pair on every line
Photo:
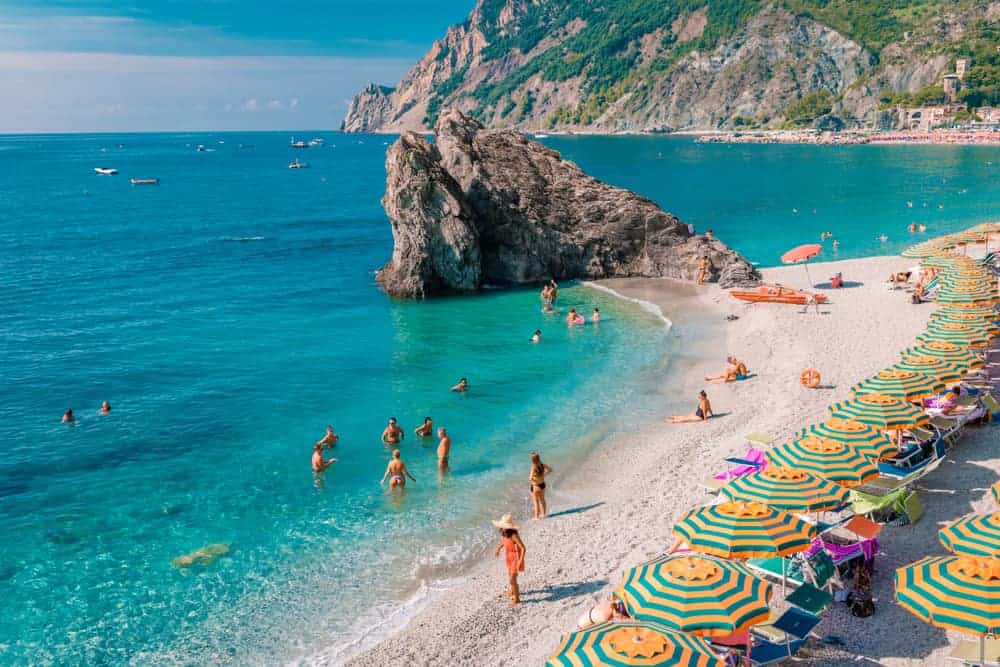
328, 440
105, 408
613, 610
396, 472
514, 552
392, 435
68, 417
703, 412
537, 336
899, 277
426, 429
462, 386
320, 464
944, 405
444, 448
737, 370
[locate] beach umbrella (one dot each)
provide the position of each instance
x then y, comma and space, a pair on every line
961, 334
905, 384
884, 412
787, 489
737, 529
996, 491
953, 592
836, 461
962, 355
936, 368
974, 317
927, 249
801, 255
870, 441
973, 535
975, 300
626, 643
988, 313
698, 594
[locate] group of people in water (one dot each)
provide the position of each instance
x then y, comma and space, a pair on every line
69, 418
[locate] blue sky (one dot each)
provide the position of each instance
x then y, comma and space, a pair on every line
95, 65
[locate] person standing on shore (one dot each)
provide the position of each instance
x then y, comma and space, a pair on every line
537, 479
514, 552
702, 270
392, 435
444, 449
398, 472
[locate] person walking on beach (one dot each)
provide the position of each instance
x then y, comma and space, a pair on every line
105, 408
514, 552
68, 417
328, 440
392, 435
444, 448
319, 464
537, 479
703, 412
702, 270
426, 429
396, 472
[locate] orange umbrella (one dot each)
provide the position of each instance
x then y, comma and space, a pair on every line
801, 254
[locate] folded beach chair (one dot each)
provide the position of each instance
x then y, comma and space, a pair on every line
768, 653
809, 598
793, 624
967, 652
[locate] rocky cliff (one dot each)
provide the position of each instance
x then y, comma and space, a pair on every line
648, 65
480, 207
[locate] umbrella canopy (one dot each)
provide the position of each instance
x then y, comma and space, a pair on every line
697, 594
787, 489
973, 318
905, 384
964, 297
835, 461
926, 249
962, 355
868, 440
996, 491
987, 313
974, 535
743, 530
960, 334
884, 412
803, 253
629, 643
932, 366
956, 592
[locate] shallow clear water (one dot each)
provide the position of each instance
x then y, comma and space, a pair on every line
230, 313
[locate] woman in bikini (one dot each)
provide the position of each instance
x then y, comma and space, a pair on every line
537, 478
703, 412
398, 471
513, 548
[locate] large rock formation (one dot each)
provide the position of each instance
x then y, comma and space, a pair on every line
492, 207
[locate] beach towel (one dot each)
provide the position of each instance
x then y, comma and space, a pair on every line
754, 456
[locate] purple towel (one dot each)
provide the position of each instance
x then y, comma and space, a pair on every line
754, 455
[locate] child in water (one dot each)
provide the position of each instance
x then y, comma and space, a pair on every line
596, 317
537, 336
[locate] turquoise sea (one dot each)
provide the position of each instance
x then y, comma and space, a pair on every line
229, 313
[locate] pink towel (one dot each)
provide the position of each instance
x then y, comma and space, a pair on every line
754, 455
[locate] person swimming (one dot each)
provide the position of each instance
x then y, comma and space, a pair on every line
574, 318
836, 244
330, 439
462, 386
703, 411
319, 464
595, 317
105, 408
426, 429
392, 435
922, 228
68, 417
537, 336
396, 472
444, 448
912, 228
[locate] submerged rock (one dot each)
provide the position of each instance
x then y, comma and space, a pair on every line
206, 555
492, 207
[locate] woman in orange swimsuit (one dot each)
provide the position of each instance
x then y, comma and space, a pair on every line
513, 548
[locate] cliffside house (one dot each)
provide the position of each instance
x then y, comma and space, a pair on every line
923, 119
951, 83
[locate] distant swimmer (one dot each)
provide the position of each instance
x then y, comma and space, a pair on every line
883, 238
392, 435
912, 228
462, 386
537, 336
320, 464
330, 439
703, 412
444, 448
909, 204
105, 408
396, 472
702, 269
795, 210
940, 207
426, 429
574, 317
922, 228
836, 244
68, 417
595, 317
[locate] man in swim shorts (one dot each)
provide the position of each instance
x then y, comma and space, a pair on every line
319, 464
444, 448
330, 439
396, 472
392, 435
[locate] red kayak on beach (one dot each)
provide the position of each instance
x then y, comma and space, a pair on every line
777, 294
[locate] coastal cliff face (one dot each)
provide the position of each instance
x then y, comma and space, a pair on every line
481, 207
645, 65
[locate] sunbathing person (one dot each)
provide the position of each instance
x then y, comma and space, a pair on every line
737, 370
703, 412
613, 610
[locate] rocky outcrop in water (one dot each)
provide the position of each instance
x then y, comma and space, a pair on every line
480, 207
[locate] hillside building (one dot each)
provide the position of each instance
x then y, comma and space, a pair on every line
951, 84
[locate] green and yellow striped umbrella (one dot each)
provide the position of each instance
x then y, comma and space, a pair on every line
961, 355
628, 643
927, 249
960, 334
996, 491
961, 297
884, 412
787, 489
696, 594
974, 535
974, 318
743, 530
867, 439
835, 461
940, 260
901, 383
986, 314
954, 592
936, 368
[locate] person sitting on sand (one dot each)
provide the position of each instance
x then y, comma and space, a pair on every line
68, 417
444, 448
918, 293
462, 386
426, 429
396, 472
392, 435
737, 370
537, 336
899, 277
613, 610
320, 464
328, 440
105, 408
702, 270
703, 411
514, 552
595, 317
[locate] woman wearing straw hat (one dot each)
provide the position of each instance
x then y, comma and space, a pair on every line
513, 548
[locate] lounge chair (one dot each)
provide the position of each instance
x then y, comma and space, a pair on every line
768, 653
809, 598
967, 651
753, 461
991, 405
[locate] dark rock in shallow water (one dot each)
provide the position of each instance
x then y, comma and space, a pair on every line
490, 206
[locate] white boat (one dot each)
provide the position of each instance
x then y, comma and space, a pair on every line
298, 144
144, 181
541, 135
295, 164
105, 171
316, 142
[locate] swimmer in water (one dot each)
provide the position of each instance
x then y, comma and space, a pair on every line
68, 417
396, 472
462, 386
319, 464
912, 228
553, 290
595, 317
836, 244
922, 228
105, 408
883, 238
426, 429
571, 319
444, 448
330, 439
537, 336
392, 435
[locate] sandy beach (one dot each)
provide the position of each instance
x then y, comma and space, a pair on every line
616, 508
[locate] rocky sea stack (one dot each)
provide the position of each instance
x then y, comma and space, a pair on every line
482, 207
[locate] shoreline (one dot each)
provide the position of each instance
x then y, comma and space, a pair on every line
615, 510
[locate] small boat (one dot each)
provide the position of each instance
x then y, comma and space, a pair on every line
144, 181
105, 171
777, 294
201, 149
541, 135
316, 142
295, 164
298, 144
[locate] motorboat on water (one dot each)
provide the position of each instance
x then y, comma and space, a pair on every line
105, 171
144, 181
777, 294
295, 164
541, 135
298, 144
316, 142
